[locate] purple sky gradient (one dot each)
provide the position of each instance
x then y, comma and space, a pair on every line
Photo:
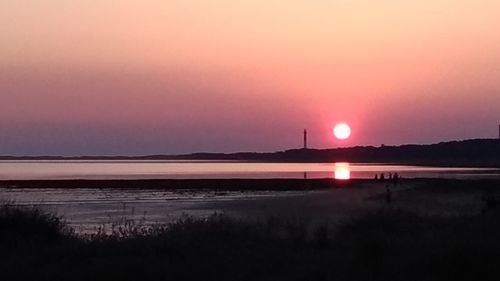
166, 77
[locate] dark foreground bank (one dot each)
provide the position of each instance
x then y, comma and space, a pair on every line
387, 244
249, 184
173, 184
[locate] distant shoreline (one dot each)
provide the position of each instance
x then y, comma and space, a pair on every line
480, 153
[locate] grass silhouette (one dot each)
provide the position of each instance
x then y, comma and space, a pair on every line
387, 244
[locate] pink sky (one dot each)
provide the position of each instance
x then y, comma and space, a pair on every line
150, 77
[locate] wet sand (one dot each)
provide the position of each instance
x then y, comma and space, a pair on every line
87, 205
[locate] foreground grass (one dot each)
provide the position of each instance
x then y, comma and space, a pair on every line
383, 245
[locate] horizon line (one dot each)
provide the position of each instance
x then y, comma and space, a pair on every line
234, 152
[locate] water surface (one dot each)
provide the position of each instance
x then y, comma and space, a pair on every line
87, 209
20, 170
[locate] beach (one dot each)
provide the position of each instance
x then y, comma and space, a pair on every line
414, 229
90, 204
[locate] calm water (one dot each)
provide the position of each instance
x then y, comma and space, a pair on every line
87, 209
14, 170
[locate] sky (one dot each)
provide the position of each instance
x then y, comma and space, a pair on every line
123, 77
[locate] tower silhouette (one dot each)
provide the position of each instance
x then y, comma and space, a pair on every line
305, 139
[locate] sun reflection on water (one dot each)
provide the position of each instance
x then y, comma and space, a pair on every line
342, 171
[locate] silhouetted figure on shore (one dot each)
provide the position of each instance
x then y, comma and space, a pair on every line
382, 176
395, 179
376, 177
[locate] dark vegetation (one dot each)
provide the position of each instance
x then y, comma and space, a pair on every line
387, 244
467, 153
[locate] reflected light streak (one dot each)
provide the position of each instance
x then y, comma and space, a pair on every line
342, 171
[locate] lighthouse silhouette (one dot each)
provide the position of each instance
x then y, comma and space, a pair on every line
305, 139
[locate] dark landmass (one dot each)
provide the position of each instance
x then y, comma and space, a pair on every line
438, 184
466, 153
195, 184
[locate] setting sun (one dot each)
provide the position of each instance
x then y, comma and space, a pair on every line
342, 131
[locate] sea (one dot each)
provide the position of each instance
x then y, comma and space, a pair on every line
88, 210
150, 169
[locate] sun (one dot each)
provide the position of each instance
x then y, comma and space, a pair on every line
342, 131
